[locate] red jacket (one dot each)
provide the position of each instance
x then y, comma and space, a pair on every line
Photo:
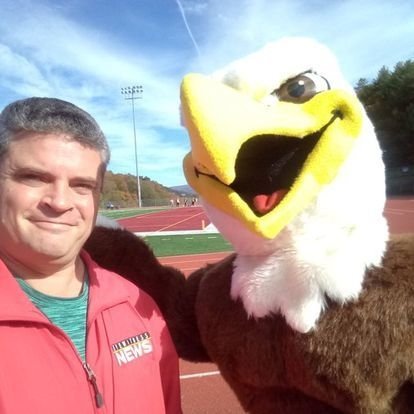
128, 348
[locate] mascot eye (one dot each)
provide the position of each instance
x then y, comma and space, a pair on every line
301, 88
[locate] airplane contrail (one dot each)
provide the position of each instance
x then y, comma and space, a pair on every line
188, 28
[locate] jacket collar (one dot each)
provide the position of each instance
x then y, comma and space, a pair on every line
103, 293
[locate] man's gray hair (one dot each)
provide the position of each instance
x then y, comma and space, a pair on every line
51, 115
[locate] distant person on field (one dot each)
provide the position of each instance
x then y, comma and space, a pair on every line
177, 202
74, 337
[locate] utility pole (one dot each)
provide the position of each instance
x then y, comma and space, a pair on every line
132, 93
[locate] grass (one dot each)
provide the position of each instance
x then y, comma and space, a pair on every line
124, 213
187, 244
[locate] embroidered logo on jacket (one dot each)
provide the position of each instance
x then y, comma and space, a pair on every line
132, 348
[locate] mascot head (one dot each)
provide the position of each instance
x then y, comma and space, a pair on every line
271, 131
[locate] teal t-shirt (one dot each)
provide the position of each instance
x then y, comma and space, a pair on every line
69, 314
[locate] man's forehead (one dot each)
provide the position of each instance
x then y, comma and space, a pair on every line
49, 149
48, 140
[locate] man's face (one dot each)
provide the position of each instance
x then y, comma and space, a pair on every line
49, 194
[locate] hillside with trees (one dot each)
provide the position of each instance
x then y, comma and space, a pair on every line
389, 102
120, 190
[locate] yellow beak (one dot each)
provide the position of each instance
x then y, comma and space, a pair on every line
221, 120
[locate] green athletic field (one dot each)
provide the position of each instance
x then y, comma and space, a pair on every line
131, 212
187, 244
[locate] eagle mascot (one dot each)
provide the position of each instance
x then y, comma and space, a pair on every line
314, 311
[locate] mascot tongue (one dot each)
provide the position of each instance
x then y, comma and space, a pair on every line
263, 203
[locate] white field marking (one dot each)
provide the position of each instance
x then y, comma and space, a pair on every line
210, 229
200, 375
400, 212
393, 210
179, 222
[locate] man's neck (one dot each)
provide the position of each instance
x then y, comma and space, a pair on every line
60, 281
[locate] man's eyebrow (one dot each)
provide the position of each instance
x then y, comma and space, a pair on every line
29, 170
85, 180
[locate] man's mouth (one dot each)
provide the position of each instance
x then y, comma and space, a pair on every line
52, 224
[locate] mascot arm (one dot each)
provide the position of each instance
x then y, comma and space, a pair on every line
128, 255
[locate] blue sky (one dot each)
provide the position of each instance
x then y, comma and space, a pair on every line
84, 51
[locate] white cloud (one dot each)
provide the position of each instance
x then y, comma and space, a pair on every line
19, 74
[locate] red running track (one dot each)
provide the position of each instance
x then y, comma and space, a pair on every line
173, 219
400, 215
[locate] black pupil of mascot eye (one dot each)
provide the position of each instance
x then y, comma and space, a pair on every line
296, 89
301, 88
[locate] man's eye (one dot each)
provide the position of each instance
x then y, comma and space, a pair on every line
84, 188
31, 179
301, 88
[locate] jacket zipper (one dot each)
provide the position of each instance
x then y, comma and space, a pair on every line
92, 379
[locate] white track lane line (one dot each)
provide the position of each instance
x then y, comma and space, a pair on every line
200, 375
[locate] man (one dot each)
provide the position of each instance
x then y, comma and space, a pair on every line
74, 338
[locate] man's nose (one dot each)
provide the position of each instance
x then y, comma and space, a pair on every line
59, 197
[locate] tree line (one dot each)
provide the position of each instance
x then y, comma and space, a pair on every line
389, 102
121, 190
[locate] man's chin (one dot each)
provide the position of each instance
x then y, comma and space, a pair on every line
56, 253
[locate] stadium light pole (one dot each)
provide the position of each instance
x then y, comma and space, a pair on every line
131, 93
